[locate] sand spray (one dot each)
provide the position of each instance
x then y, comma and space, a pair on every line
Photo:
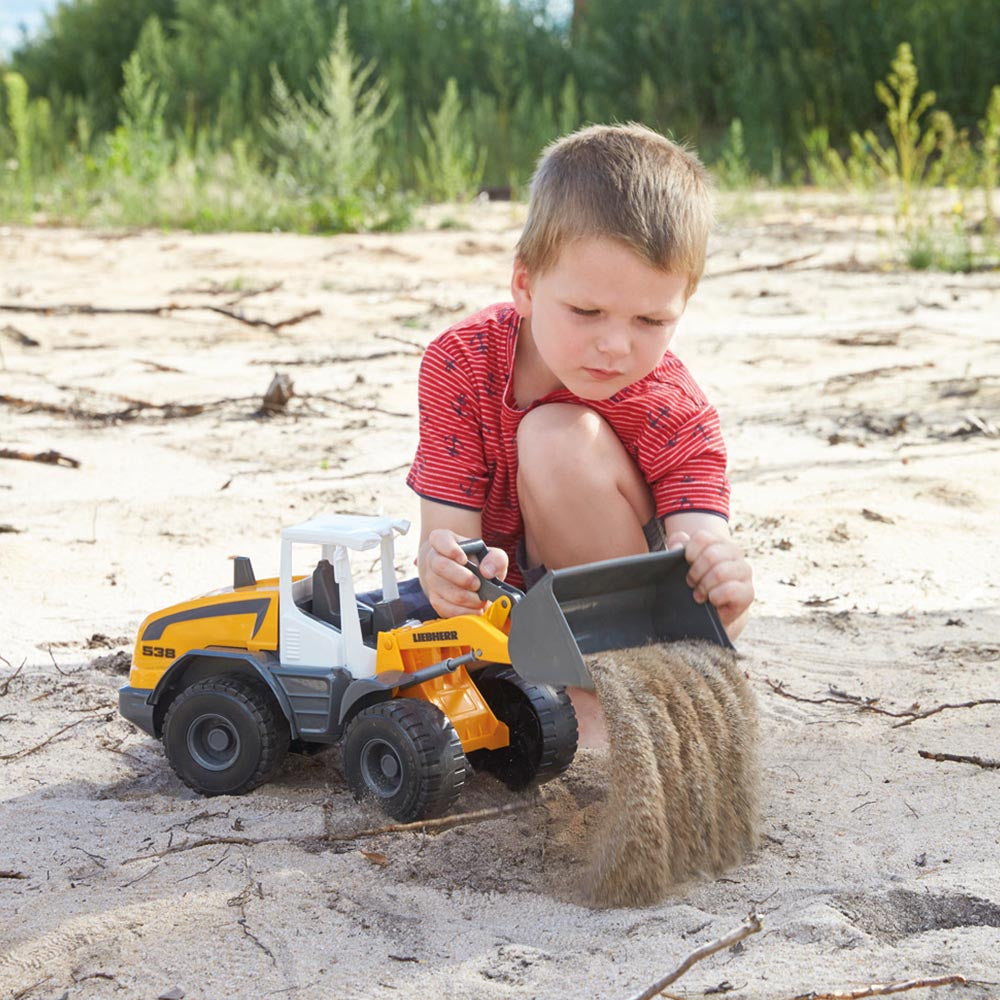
683, 770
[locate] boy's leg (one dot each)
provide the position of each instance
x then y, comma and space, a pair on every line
582, 496
583, 499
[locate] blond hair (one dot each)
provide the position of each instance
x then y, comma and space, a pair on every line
623, 182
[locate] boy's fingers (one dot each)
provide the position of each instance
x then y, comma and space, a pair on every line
448, 601
494, 564
731, 599
700, 542
730, 568
678, 540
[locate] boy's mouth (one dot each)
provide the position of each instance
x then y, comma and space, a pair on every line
603, 374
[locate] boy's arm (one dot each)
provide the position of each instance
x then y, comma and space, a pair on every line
449, 586
718, 571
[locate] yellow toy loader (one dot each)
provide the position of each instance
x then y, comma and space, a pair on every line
231, 680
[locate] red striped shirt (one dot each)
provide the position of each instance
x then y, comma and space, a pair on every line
467, 452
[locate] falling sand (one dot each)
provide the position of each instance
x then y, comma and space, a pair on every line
683, 774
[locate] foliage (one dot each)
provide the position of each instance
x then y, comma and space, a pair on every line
17, 112
990, 129
329, 150
905, 163
152, 110
450, 168
732, 169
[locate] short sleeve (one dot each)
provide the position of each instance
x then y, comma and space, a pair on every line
683, 457
450, 463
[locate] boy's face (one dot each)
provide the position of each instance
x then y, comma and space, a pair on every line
599, 319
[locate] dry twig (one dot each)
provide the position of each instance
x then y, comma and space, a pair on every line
38, 746
879, 990
776, 266
908, 716
5, 687
958, 758
749, 926
917, 716
441, 823
46, 457
84, 309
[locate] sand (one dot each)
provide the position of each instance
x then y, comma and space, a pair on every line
683, 771
860, 405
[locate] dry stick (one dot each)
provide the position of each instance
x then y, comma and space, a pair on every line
84, 309
837, 698
12, 874
356, 407
749, 926
441, 822
135, 406
777, 266
868, 704
5, 688
46, 457
335, 359
878, 990
46, 741
29, 989
958, 758
940, 708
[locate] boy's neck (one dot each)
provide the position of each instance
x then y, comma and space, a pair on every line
531, 378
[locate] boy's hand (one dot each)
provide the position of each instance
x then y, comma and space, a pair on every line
449, 585
717, 572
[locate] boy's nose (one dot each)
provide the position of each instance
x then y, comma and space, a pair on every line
614, 342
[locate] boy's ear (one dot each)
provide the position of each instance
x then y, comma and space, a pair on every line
520, 287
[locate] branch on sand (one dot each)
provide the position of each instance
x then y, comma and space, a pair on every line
779, 265
751, 925
441, 823
38, 746
45, 457
959, 758
84, 309
5, 687
908, 716
878, 990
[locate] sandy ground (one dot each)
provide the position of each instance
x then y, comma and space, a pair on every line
861, 406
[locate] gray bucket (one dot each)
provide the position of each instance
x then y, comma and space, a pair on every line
614, 604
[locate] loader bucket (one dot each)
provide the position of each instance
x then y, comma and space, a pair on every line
613, 604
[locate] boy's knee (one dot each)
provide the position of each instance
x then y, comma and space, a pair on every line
555, 437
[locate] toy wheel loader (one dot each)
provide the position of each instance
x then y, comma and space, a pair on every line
231, 680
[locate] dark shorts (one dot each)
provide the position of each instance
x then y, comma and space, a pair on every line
652, 529
415, 600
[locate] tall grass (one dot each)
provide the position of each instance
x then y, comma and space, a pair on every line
288, 114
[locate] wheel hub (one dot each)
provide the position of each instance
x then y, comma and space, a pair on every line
212, 740
381, 768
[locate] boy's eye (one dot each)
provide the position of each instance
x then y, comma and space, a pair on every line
649, 321
584, 312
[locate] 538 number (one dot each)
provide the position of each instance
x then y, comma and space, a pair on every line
159, 651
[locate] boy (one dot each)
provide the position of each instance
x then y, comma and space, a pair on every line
559, 428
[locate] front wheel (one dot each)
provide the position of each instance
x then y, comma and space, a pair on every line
542, 724
224, 735
405, 755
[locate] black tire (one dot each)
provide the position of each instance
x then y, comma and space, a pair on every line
542, 723
225, 735
406, 755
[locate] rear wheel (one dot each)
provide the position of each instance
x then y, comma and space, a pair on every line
406, 755
542, 724
224, 735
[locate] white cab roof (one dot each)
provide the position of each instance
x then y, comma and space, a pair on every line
355, 531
